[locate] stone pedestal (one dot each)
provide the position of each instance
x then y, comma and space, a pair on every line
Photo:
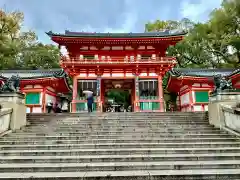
15, 101
216, 116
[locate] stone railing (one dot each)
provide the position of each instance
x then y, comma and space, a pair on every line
222, 111
231, 119
5, 119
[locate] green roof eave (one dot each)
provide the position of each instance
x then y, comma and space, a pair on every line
198, 72
117, 35
237, 71
31, 74
36, 74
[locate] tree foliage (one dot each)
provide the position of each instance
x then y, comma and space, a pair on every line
213, 44
20, 49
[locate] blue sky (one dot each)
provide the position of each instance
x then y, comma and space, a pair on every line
104, 15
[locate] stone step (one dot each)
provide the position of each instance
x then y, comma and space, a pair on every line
119, 128
195, 174
119, 151
132, 114
120, 125
113, 131
117, 136
143, 120
92, 135
82, 124
120, 137
212, 174
128, 122
118, 166
120, 114
140, 140
120, 158
119, 117
176, 126
120, 145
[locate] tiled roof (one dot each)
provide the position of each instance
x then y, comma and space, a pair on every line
118, 35
237, 71
197, 72
2, 78
30, 74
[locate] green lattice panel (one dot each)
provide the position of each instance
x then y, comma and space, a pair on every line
149, 97
32, 98
201, 96
149, 106
82, 106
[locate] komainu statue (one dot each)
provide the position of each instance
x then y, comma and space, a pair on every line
221, 83
11, 85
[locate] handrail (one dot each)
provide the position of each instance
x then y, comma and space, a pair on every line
121, 59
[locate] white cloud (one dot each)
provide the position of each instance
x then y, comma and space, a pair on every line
198, 11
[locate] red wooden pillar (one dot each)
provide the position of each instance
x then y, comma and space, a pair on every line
102, 93
99, 93
44, 100
160, 93
136, 93
191, 100
74, 98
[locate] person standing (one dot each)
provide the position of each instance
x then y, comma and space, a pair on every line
49, 106
90, 102
65, 106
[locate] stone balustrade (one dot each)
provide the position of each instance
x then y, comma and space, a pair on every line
231, 118
5, 119
222, 111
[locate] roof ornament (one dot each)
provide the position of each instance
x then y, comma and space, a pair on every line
221, 83
60, 74
11, 85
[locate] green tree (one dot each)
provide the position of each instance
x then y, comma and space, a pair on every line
225, 24
207, 44
40, 56
20, 49
159, 25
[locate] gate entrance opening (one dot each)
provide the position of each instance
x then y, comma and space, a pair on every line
118, 95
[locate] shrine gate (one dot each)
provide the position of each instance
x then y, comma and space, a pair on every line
135, 62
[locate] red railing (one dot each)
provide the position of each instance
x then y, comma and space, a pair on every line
119, 60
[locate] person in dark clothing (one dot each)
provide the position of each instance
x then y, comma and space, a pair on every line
90, 103
49, 107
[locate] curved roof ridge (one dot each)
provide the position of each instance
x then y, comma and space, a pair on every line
118, 35
200, 72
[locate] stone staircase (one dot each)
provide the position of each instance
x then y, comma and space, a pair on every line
120, 146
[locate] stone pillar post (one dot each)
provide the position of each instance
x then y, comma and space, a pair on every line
15, 101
